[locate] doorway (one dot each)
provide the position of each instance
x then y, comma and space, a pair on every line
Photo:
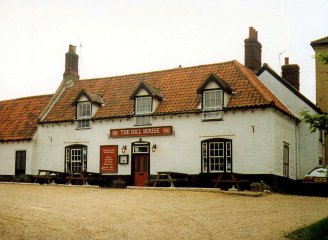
140, 163
20, 165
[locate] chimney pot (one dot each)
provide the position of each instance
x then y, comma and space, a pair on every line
72, 49
286, 60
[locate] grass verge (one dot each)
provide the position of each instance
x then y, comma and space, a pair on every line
315, 231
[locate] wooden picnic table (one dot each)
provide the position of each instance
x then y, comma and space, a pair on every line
48, 175
84, 177
228, 178
169, 177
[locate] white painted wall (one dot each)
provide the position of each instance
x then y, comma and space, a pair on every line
253, 151
8, 156
309, 147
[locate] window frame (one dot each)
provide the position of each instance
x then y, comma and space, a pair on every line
143, 118
78, 110
136, 105
209, 157
83, 121
285, 160
83, 157
208, 91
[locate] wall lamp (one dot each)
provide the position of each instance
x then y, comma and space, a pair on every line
123, 148
154, 148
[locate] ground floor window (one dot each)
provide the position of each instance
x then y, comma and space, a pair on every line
76, 158
217, 155
286, 160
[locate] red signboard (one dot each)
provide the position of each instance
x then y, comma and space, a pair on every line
108, 159
141, 132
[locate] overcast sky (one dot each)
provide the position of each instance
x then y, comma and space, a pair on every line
122, 37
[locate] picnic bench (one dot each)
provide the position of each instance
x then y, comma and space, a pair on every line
228, 178
84, 177
49, 175
169, 177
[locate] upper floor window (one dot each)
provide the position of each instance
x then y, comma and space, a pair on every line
214, 92
212, 100
146, 99
143, 105
84, 111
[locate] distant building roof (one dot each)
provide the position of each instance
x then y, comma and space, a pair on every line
177, 86
18, 117
319, 42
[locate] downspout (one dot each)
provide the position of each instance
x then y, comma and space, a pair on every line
296, 149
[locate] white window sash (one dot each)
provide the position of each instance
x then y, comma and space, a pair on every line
83, 110
212, 100
143, 105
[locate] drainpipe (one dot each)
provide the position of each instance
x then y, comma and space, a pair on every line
296, 149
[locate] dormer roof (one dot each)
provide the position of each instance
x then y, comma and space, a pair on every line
213, 78
151, 90
92, 97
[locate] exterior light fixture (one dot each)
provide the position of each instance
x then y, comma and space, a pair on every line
123, 148
154, 148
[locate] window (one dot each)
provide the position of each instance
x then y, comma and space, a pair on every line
76, 158
286, 160
212, 102
83, 110
83, 115
216, 155
143, 106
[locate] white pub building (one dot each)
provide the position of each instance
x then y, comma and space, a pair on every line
201, 120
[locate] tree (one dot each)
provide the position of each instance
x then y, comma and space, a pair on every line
316, 121
323, 57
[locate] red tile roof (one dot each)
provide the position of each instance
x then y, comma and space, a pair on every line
18, 117
178, 87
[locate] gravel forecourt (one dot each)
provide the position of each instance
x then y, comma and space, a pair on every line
29, 211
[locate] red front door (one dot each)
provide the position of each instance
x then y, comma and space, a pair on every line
141, 166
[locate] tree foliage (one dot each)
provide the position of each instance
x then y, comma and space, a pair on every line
316, 121
323, 57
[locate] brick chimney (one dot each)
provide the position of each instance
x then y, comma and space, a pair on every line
291, 73
253, 50
71, 66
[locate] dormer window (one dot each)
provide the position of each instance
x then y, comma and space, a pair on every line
87, 104
213, 91
146, 98
212, 100
84, 112
143, 105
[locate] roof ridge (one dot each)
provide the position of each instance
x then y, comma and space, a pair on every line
156, 71
28, 97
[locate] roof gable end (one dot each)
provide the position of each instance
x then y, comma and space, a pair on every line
267, 68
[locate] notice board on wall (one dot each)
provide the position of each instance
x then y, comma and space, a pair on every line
108, 159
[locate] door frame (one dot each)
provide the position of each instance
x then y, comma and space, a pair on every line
140, 143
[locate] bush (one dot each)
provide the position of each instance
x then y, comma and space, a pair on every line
260, 186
